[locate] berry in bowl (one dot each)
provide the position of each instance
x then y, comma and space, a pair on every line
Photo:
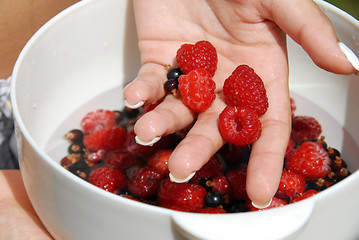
84, 66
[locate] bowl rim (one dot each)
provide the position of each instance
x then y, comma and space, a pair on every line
325, 6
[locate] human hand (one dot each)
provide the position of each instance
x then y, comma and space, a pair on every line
18, 219
243, 32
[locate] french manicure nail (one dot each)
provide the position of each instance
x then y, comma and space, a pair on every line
150, 143
261, 206
352, 58
137, 105
181, 180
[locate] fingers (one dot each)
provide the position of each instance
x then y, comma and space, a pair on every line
266, 161
200, 144
147, 87
168, 117
306, 24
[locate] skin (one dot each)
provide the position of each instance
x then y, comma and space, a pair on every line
243, 32
18, 219
19, 20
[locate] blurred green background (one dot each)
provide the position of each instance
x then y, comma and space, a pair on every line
349, 6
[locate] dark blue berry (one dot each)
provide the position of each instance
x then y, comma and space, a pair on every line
318, 185
74, 136
170, 85
76, 148
213, 199
174, 73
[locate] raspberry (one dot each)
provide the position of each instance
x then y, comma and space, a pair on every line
185, 196
213, 210
246, 89
159, 160
145, 182
305, 129
213, 168
121, 160
99, 119
293, 107
305, 195
234, 155
310, 160
289, 148
237, 179
197, 90
291, 185
107, 178
221, 184
200, 55
276, 202
239, 126
107, 139
138, 150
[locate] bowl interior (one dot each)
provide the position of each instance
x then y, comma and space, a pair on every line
82, 58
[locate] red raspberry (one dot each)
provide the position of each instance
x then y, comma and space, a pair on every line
293, 106
305, 195
276, 202
310, 160
107, 139
213, 168
245, 88
107, 178
291, 185
239, 126
99, 119
197, 90
185, 196
237, 179
305, 129
290, 148
221, 184
145, 182
213, 210
200, 55
159, 160
121, 160
138, 150
234, 155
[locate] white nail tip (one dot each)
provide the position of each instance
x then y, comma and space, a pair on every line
181, 180
137, 105
150, 143
352, 58
261, 206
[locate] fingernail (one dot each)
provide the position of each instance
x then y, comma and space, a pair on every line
181, 180
352, 58
137, 105
261, 206
150, 143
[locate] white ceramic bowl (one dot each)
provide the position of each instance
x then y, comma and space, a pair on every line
79, 61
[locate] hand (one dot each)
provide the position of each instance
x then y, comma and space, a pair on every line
18, 219
243, 32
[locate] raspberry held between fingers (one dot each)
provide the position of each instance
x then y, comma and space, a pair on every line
197, 90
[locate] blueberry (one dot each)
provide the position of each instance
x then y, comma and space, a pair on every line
318, 185
174, 73
170, 85
74, 136
213, 199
